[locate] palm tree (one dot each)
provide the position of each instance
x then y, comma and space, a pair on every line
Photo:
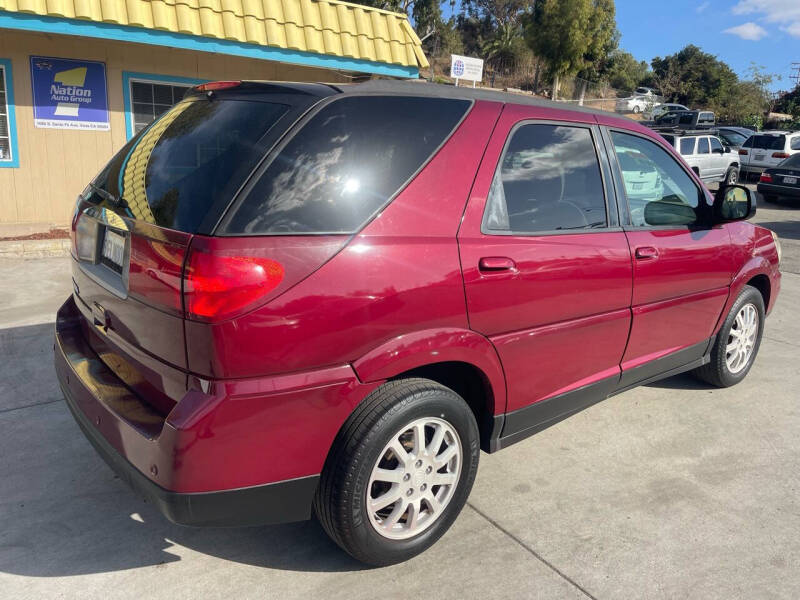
500, 47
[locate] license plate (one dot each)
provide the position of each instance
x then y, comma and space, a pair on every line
759, 156
637, 187
790, 180
114, 247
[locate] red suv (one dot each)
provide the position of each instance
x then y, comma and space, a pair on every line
297, 298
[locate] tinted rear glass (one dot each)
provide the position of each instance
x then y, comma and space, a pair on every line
769, 142
172, 172
793, 162
345, 163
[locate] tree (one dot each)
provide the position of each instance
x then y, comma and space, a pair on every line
624, 72
570, 35
603, 38
693, 77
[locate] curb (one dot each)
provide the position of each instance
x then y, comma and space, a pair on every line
34, 248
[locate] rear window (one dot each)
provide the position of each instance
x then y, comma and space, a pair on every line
793, 162
173, 171
345, 164
769, 142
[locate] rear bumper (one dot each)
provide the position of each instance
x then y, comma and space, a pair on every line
236, 453
280, 502
770, 189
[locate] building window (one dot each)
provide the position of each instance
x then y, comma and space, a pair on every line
8, 134
147, 97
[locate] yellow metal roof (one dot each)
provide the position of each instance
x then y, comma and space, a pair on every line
326, 27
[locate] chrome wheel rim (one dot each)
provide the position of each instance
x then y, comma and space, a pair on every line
732, 178
742, 339
414, 478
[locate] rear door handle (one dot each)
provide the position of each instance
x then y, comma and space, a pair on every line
496, 264
646, 253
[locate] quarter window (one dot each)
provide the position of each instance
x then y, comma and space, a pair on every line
795, 143
687, 146
548, 180
150, 99
345, 164
659, 191
702, 146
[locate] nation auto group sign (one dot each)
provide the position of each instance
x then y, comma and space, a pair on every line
69, 93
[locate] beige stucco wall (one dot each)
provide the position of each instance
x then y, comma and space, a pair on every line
56, 164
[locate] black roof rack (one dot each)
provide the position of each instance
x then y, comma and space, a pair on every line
683, 131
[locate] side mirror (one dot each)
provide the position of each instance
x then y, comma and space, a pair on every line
733, 203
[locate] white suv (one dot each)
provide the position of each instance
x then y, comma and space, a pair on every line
768, 149
707, 156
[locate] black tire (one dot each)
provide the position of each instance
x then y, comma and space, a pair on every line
716, 372
340, 502
731, 176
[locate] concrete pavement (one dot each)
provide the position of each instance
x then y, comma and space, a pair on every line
671, 490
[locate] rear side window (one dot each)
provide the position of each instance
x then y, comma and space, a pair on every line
173, 171
687, 146
716, 145
686, 119
748, 143
795, 143
548, 180
769, 142
702, 145
345, 164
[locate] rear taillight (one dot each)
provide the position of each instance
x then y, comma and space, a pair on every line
765, 178
221, 286
742, 152
780, 155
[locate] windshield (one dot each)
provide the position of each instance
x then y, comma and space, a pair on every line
732, 138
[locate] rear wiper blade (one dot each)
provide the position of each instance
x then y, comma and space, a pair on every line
105, 194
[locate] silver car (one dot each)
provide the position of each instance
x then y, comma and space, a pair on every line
768, 149
707, 156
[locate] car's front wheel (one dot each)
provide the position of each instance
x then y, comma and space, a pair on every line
399, 471
737, 342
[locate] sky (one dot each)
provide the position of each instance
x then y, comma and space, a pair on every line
738, 32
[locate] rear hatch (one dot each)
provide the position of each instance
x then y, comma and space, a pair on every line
134, 224
764, 151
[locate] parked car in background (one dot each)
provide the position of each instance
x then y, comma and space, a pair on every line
768, 149
635, 104
733, 137
645, 91
688, 119
660, 109
706, 155
782, 181
295, 297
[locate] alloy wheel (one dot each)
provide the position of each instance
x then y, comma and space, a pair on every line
742, 339
414, 478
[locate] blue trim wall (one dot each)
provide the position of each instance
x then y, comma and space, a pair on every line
140, 35
12, 120
127, 103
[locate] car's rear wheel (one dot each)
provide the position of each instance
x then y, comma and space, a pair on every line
399, 471
737, 342
732, 176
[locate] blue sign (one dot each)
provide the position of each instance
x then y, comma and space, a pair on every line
458, 68
69, 94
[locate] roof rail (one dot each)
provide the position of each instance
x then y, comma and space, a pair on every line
677, 130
